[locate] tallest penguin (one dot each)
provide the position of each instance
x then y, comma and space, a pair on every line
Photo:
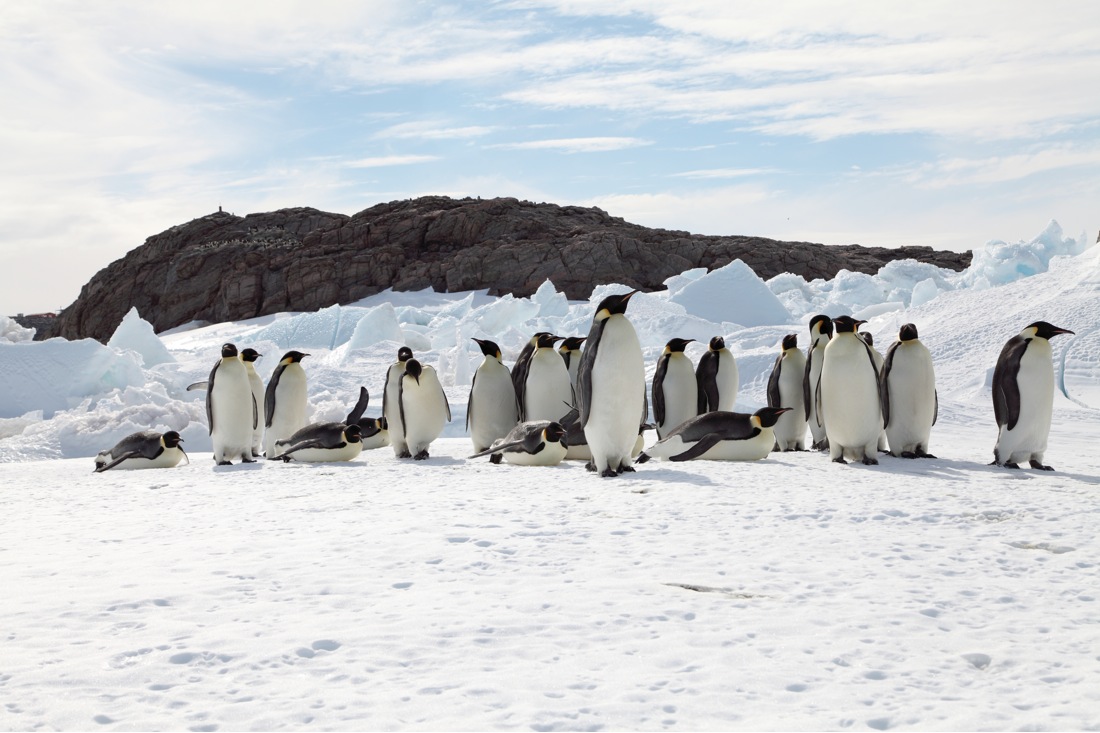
611, 387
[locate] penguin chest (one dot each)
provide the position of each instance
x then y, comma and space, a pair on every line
168, 458
349, 452
618, 379
551, 455
425, 409
726, 379
681, 392
911, 387
231, 404
378, 440
548, 393
492, 404
1036, 384
290, 400
849, 385
752, 449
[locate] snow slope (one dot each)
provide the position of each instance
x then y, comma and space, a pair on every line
454, 594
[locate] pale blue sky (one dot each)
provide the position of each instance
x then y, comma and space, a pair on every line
881, 123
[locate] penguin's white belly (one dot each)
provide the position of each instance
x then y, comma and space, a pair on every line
425, 411
392, 411
850, 401
325, 455
817, 420
548, 395
231, 407
681, 393
551, 455
290, 407
912, 391
257, 386
790, 430
727, 380
618, 394
378, 440
753, 449
493, 401
168, 458
578, 453
1028, 440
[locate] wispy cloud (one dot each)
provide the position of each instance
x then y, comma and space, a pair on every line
722, 173
383, 161
576, 144
427, 130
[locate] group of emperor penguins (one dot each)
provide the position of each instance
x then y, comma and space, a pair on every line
591, 404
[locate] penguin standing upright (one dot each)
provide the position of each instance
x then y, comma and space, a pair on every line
546, 393
285, 401
717, 378
231, 411
821, 330
570, 351
785, 390
492, 410
849, 395
675, 389
870, 341
391, 403
249, 357
1023, 396
611, 387
523, 362
908, 391
147, 449
424, 407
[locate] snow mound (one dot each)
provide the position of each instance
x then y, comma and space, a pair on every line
12, 332
733, 294
137, 335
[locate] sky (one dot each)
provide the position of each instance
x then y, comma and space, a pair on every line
946, 124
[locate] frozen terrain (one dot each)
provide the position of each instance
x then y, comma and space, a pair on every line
454, 594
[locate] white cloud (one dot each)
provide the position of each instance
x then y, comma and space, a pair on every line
383, 161
718, 173
428, 130
577, 144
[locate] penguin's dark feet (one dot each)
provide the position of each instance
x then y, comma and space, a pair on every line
421, 455
1035, 464
870, 461
1010, 464
247, 460
922, 454
496, 458
883, 452
776, 448
642, 458
590, 467
404, 454
626, 469
839, 459
224, 463
609, 473
286, 459
257, 454
909, 454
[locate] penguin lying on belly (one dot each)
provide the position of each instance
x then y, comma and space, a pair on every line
720, 436
321, 443
532, 443
147, 449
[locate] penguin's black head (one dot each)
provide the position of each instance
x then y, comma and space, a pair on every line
867, 338
717, 343
572, 343
847, 324
353, 434
413, 369
547, 340
250, 355
769, 416
824, 325
613, 305
404, 354
1044, 330
554, 433
908, 332
790, 341
383, 423
489, 348
229, 351
171, 439
292, 357
677, 345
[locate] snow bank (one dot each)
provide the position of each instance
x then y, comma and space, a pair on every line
137, 335
12, 332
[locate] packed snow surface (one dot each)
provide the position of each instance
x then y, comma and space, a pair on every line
455, 594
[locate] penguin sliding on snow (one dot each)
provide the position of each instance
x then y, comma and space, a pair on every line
785, 390
285, 401
493, 409
231, 411
532, 443
717, 378
720, 436
849, 395
821, 330
324, 442
391, 403
1023, 396
907, 387
424, 407
146, 449
675, 388
611, 387
374, 432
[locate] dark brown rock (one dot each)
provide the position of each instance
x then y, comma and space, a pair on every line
223, 267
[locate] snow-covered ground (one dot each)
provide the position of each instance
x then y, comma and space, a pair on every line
454, 594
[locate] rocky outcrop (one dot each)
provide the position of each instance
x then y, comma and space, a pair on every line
224, 267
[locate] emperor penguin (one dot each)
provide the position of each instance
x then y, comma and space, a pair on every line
907, 387
1023, 396
785, 390
146, 449
849, 395
532, 443
821, 330
717, 378
675, 389
546, 392
374, 431
231, 411
493, 409
611, 387
285, 401
424, 407
249, 357
870, 341
570, 351
391, 403
523, 361
325, 442
719, 436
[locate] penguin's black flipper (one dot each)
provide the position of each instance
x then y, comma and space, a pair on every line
936, 410
806, 381
700, 447
706, 376
269, 395
1006, 390
884, 387
658, 389
195, 386
500, 448
773, 383
303, 444
584, 371
360, 407
470, 402
209, 395
116, 461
